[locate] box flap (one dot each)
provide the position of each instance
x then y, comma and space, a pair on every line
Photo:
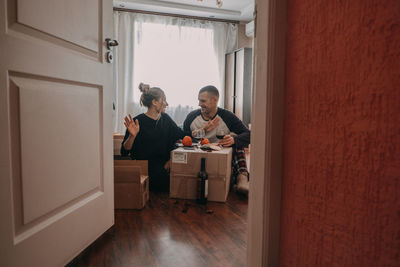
117, 138
127, 174
143, 164
143, 178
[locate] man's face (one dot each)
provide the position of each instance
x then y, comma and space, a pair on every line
207, 102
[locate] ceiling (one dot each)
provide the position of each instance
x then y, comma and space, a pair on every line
240, 10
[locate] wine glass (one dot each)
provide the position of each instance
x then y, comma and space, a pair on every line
220, 133
199, 134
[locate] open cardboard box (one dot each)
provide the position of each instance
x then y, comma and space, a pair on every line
131, 184
117, 138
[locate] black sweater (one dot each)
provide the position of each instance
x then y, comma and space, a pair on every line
154, 142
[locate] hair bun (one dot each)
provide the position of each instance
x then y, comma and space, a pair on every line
144, 88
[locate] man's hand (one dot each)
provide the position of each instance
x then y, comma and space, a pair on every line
211, 124
132, 126
227, 141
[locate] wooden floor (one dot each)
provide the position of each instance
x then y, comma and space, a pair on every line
169, 233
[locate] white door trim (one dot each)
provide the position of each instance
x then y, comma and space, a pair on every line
267, 133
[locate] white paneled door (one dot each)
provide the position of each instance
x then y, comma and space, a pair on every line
56, 184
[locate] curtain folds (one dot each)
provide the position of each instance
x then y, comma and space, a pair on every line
123, 67
186, 42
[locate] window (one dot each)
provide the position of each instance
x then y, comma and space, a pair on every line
178, 55
178, 59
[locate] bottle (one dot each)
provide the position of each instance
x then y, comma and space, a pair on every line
202, 183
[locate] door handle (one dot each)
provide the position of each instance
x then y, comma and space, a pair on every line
110, 43
109, 55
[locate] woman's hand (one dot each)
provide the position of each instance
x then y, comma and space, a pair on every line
167, 165
132, 126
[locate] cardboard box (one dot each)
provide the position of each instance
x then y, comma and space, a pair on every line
131, 184
118, 138
185, 165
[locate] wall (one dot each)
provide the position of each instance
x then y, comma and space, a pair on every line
243, 40
341, 186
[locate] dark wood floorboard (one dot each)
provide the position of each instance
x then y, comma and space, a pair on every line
162, 234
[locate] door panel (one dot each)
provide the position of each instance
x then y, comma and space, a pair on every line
41, 101
56, 186
80, 32
73, 21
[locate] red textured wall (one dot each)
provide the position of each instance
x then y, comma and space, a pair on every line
341, 186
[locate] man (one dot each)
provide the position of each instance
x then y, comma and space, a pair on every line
218, 122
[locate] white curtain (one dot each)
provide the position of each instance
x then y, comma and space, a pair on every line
123, 68
176, 54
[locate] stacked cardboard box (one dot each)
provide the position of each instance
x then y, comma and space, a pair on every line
131, 184
185, 165
117, 143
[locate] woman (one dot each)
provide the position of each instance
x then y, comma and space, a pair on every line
151, 136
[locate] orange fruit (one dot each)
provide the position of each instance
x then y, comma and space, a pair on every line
187, 141
205, 141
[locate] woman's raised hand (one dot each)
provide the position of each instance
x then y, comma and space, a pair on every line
132, 126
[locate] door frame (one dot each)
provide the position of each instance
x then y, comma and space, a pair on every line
267, 134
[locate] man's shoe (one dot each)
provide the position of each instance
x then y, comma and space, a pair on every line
242, 183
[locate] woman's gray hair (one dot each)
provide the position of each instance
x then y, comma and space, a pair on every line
150, 94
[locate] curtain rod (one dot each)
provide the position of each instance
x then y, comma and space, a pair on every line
173, 15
